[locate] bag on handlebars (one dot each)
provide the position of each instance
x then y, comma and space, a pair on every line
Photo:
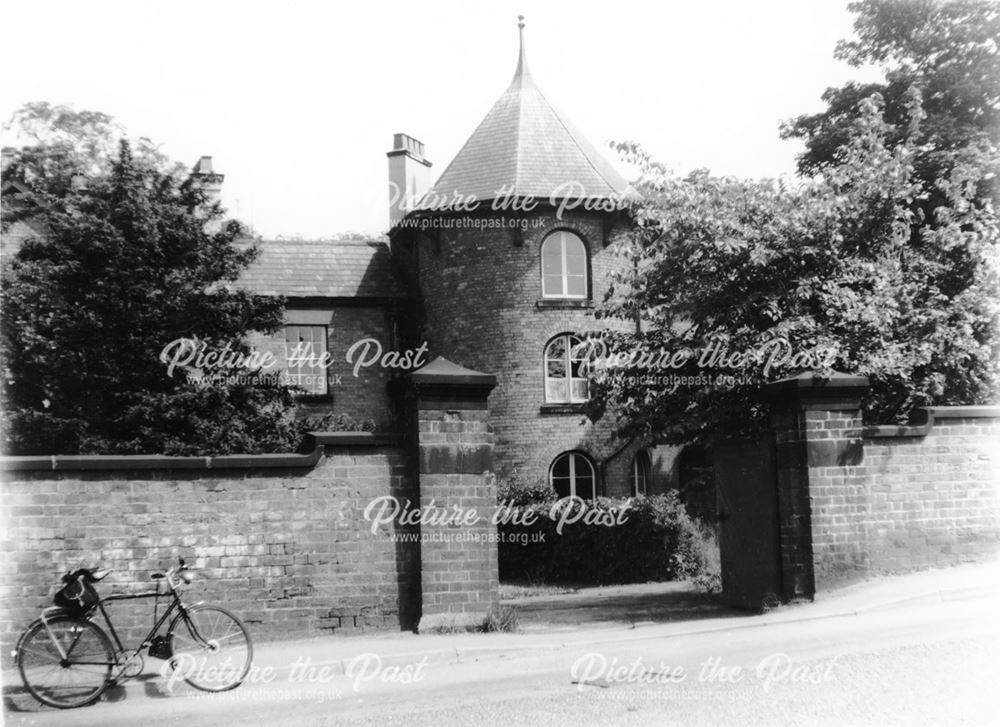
78, 595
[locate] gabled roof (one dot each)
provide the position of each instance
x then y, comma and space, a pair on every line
322, 268
15, 236
525, 148
18, 198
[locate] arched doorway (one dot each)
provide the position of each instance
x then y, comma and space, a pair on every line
696, 483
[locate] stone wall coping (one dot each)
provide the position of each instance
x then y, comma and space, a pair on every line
69, 462
811, 382
442, 372
442, 384
933, 414
314, 446
351, 439
894, 430
982, 411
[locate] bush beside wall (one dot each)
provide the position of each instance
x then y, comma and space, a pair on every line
657, 541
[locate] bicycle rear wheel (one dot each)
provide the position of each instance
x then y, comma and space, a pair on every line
211, 648
75, 680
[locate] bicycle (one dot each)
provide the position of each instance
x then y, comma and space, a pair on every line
67, 660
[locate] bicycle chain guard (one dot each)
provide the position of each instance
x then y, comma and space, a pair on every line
162, 647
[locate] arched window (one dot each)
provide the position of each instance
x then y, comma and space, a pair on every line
572, 473
564, 266
567, 370
640, 473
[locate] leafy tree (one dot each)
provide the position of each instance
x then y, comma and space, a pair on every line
63, 147
885, 255
948, 51
843, 266
127, 264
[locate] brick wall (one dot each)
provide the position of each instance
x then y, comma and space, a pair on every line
855, 500
286, 548
460, 584
293, 543
458, 552
919, 497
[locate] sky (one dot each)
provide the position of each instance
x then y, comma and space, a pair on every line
297, 100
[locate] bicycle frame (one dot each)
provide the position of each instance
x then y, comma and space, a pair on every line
175, 604
68, 659
157, 625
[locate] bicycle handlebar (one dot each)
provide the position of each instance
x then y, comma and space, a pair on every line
175, 576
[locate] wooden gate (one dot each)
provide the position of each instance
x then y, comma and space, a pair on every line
749, 539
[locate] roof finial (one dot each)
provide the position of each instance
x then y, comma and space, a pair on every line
522, 61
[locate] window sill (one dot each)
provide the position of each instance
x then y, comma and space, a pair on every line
543, 303
314, 398
563, 409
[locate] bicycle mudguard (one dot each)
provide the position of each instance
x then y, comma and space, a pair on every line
20, 639
47, 613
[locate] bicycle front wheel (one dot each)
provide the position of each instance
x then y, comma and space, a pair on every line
210, 648
67, 663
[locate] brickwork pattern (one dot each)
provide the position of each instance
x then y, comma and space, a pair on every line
363, 396
480, 290
289, 551
912, 502
459, 575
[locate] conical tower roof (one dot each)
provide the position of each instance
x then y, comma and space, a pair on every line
525, 148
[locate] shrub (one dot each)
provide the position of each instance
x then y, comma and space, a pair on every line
519, 492
656, 540
339, 422
709, 577
500, 618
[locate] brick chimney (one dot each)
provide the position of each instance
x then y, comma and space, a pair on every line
210, 181
409, 176
211, 184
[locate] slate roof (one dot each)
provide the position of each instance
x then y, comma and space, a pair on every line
14, 237
18, 198
525, 145
322, 268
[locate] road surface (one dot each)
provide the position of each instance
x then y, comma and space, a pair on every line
918, 663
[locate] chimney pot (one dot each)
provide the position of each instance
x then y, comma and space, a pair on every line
210, 183
409, 176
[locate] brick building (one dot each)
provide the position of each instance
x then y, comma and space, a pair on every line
337, 293
819, 499
497, 267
